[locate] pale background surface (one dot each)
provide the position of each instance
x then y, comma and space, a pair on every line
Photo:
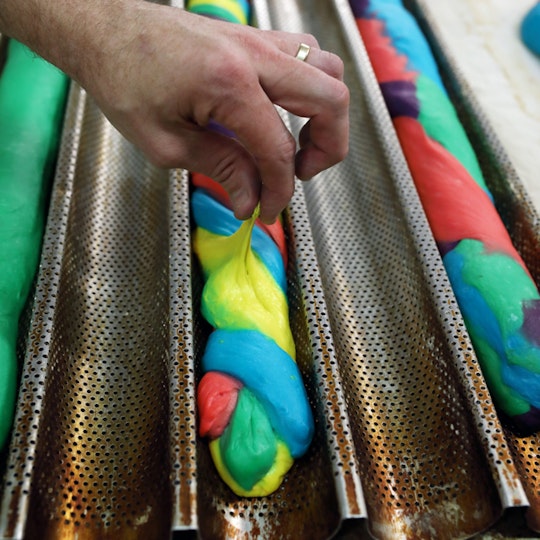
483, 38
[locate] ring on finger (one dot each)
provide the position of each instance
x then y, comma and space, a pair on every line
303, 52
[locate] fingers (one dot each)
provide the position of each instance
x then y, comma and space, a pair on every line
313, 89
324, 61
258, 126
324, 139
261, 171
237, 86
327, 62
321, 59
212, 154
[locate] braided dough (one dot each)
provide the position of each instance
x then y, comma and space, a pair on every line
495, 292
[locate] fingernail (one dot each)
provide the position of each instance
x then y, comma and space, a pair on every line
268, 220
243, 204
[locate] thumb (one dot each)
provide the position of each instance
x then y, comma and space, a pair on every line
223, 159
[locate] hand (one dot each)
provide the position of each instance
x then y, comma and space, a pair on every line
162, 76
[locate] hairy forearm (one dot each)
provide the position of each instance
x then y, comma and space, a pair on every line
74, 35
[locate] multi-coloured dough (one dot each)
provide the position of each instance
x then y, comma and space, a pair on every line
496, 294
251, 400
32, 97
236, 11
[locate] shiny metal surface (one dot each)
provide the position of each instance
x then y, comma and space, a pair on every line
435, 462
105, 439
407, 442
518, 213
95, 383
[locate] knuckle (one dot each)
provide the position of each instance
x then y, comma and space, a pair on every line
286, 149
163, 156
230, 71
341, 150
334, 63
338, 148
309, 39
341, 96
226, 167
228, 86
338, 100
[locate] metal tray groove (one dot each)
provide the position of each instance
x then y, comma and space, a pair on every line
112, 363
396, 325
407, 444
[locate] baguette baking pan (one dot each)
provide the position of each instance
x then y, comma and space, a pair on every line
407, 441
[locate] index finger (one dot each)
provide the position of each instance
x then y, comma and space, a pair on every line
316, 92
258, 126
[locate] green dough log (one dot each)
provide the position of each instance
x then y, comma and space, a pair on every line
32, 100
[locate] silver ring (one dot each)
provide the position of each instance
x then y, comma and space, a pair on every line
303, 52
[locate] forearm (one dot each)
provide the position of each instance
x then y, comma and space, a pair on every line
70, 34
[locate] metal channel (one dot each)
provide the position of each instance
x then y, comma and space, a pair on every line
22, 449
104, 443
89, 457
516, 210
434, 459
407, 442
322, 495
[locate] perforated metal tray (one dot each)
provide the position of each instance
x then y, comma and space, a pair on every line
105, 439
435, 461
407, 444
517, 211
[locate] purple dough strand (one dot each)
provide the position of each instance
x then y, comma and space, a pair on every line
531, 321
446, 247
359, 7
400, 97
523, 425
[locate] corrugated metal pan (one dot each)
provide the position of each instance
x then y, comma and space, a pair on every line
434, 459
407, 444
104, 444
516, 209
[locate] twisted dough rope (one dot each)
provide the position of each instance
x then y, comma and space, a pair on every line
32, 97
494, 290
251, 400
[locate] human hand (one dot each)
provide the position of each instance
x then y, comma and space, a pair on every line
163, 76
180, 72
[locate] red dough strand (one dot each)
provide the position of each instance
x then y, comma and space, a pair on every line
214, 188
477, 217
275, 230
217, 395
388, 63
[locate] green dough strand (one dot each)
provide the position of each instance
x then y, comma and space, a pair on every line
32, 99
248, 444
439, 118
